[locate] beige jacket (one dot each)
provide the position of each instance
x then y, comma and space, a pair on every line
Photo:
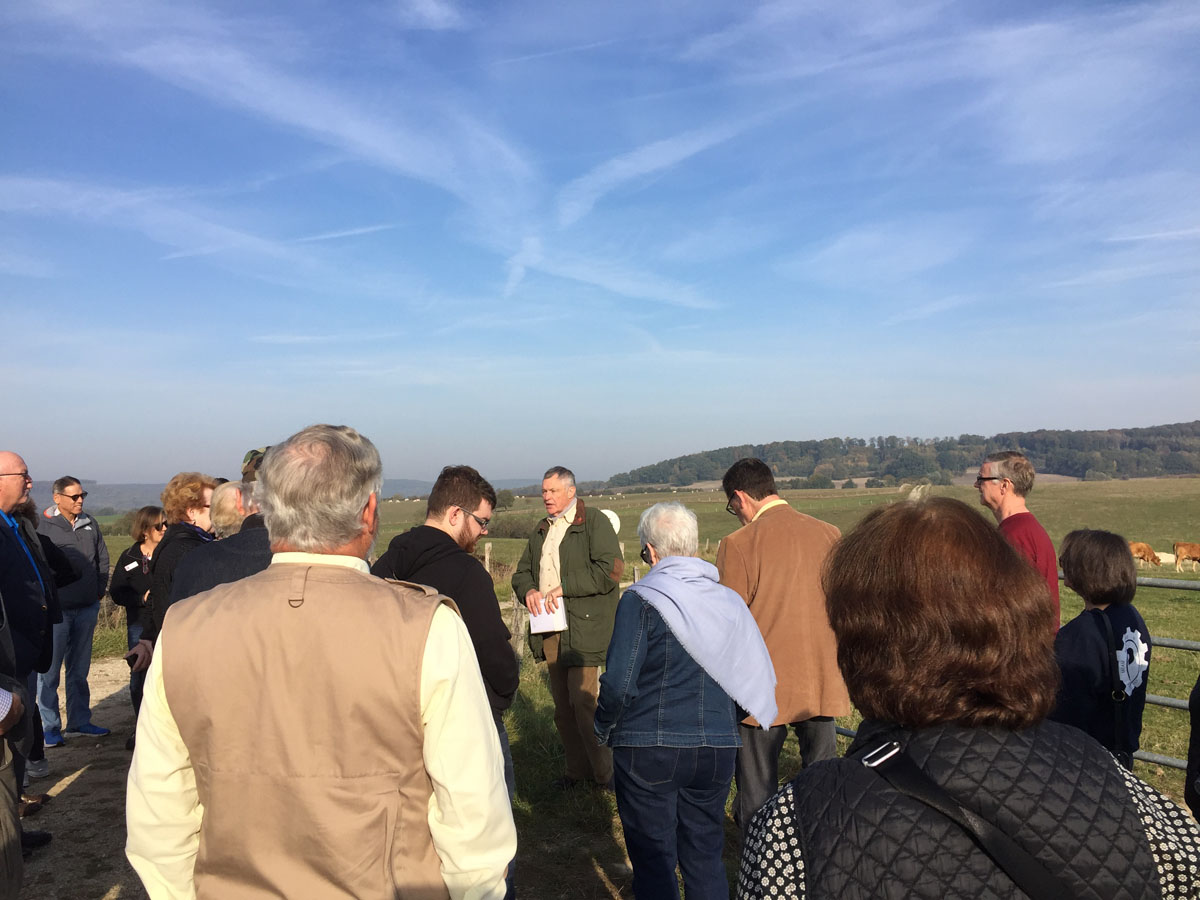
775, 563
304, 702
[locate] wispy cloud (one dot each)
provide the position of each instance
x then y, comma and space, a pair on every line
724, 238
436, 15
344, 233
929, 309
147, 211
882, 254
25, 264
293, 339
426, 135
577, 198
1180, 234
557, 51
624, 281
529, 254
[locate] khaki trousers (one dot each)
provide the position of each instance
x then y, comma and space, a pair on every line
575, 690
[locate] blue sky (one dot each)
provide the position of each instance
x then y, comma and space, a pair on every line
526, 234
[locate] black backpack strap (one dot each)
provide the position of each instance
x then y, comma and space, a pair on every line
894, 765
1118, 690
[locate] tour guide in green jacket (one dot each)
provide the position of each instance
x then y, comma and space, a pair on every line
573, 558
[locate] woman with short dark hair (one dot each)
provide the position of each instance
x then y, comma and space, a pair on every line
130, 587
944, 641
1104, 652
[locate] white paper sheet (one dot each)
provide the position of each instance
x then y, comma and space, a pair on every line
547, 622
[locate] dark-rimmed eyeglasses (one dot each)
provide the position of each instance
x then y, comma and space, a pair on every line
24, 475
729, 506
73, 497
482, 523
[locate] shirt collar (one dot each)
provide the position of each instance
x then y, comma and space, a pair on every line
567, 514
293, 557
762, 509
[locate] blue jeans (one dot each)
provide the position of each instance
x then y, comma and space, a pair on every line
672, 806
137, 680
73, 646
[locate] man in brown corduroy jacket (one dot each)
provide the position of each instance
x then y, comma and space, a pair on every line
774, 561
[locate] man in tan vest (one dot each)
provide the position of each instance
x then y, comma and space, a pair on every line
774, 561
362, 761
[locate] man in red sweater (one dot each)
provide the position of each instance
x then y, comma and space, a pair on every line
1004, 480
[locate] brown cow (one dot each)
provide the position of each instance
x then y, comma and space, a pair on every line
1144, 553
1185, 552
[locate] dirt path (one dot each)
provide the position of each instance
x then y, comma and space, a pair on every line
86, 859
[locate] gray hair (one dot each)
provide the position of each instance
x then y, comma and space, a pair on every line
670, 528
562, 473
223, 509
313, 487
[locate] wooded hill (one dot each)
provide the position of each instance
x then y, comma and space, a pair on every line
1094, 455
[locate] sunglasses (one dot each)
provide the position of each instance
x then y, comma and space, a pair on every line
74, 497
160, 526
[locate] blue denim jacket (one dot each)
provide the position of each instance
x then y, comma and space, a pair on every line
653, 693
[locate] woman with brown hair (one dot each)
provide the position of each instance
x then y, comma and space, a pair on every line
1104, 652
186, 499
130, 586
956, 785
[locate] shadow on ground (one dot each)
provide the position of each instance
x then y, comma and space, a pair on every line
86, 815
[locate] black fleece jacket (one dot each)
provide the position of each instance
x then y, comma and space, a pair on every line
427, 555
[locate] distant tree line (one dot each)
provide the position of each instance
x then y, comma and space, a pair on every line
1094, 455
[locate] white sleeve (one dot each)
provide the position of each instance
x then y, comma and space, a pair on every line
162, 809
470, 817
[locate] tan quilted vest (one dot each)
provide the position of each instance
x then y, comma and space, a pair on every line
297, 693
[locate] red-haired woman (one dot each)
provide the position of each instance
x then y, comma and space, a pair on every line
186, 499
945, 642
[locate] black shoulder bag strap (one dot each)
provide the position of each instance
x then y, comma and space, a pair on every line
1118, 692
894, 765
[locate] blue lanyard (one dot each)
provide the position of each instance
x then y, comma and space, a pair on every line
12, 523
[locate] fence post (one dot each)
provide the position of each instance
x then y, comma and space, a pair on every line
487, 557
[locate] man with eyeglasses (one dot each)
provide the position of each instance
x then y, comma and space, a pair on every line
1004, 479
774, 561
78, 535
27, 587
439, 554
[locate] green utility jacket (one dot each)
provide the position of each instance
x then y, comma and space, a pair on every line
591, 566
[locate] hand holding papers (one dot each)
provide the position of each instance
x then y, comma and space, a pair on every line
546, 622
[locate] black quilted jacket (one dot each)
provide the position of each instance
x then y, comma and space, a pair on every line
839, 830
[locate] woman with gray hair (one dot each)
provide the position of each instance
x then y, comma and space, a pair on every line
685, 653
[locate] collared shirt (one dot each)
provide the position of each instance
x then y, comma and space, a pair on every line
471, 825
549, 576
6, 702
762, 509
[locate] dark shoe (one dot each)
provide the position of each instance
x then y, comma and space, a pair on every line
53, 738
90, 730
31, 840
130, 741
566, 783
29, 807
